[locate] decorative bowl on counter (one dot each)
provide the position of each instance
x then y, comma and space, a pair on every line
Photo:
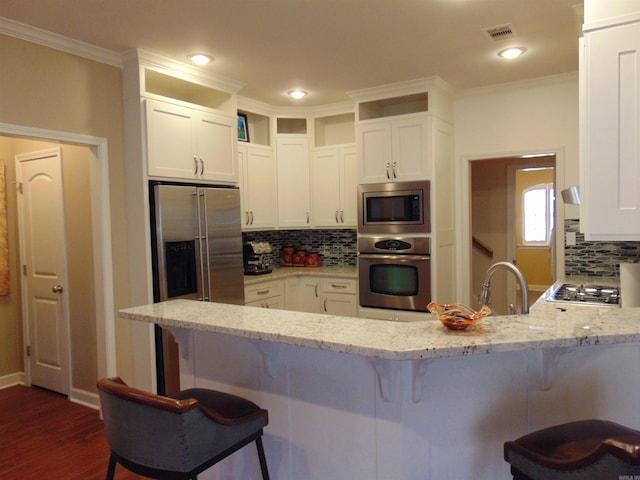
457, 316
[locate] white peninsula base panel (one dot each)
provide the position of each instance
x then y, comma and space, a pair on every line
341, 416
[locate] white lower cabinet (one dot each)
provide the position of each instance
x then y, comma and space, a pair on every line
309, 290
266, 295
306, 293
339, 297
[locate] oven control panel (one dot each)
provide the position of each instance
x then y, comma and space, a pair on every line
393, 244
405, 245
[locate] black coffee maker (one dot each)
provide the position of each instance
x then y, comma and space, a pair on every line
254, 256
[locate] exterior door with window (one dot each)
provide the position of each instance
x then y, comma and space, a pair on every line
535, 210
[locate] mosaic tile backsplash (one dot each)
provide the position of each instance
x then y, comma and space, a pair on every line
596, 258
336, 247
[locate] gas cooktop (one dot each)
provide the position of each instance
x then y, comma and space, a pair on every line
586, 294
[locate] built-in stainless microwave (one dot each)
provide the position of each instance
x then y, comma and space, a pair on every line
394, 208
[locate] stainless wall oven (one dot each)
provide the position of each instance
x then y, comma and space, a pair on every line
394, 272
394, 208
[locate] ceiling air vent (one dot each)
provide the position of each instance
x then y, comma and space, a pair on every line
501, 32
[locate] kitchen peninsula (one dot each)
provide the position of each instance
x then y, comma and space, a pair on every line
358, 398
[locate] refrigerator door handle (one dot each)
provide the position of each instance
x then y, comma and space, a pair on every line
204, 250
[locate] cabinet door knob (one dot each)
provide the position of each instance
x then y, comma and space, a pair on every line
57, 289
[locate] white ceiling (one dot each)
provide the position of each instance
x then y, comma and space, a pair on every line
327, 47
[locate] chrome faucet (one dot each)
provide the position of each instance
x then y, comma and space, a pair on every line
524, 288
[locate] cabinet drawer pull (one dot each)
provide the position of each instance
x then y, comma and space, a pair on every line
338, 285
342, 215
394, 169
337, 221
388, 176
195, 164
325, 305
263, 292
201, 166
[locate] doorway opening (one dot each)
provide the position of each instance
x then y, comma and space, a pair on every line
102, 328
508, 197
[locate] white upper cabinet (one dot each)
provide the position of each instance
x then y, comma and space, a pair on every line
292, 153
187, 143
610, 134
394, 150
335, 187
257, 187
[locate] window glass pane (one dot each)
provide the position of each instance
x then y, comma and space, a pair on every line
535, 215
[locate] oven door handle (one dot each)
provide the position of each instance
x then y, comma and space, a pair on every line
383, 256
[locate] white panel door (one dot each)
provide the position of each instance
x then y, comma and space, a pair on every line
44, 257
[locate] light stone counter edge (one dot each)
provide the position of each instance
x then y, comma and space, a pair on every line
549, 325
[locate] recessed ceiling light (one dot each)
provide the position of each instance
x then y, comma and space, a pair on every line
297, 94
510, 53
200, 58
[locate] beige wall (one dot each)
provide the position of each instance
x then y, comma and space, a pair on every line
10, 309
48, 89
514, 119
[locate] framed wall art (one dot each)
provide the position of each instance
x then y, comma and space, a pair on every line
243, 127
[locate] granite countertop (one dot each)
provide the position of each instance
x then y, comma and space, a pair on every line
287, 272
549, 325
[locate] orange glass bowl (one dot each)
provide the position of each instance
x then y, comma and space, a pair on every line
457, 316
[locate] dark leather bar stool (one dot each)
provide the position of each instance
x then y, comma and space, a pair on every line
583, 450
177, 437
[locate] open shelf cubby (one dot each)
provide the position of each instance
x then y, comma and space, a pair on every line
291, 125
259, 128
390, 107
159, 83
335, 129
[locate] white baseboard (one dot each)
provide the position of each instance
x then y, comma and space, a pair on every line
82, 397
12, 379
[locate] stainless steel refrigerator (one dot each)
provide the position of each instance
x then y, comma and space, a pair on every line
197, 254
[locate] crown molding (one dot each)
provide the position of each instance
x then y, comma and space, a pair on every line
519, 85
58, 42
175, 68
408, 87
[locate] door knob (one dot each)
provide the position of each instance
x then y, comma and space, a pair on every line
57, 289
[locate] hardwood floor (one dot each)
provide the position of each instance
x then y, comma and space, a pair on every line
45, 436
